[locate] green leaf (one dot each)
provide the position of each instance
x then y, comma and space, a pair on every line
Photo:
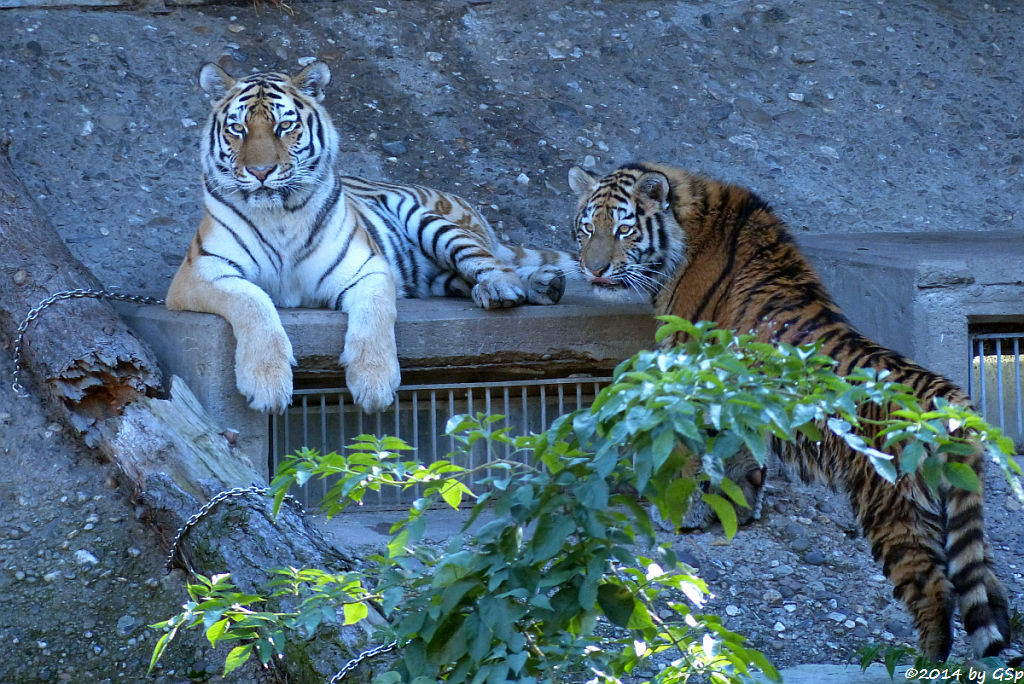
216, 630
725, 512
811, 431
616, 602
388, 678
452, 492
962, 476
553, 533
236, 658
911, 456
733, 491
158, 650
354, 612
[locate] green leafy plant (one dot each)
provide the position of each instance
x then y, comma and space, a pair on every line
921, 668
544, 583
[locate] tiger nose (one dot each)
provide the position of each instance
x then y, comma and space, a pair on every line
261, 172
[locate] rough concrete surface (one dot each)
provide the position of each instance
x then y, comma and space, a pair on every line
847, 117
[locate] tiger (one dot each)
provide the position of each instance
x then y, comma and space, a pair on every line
708, 250
282, 227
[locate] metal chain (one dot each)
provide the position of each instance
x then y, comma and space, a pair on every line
56, 297
220, 497
365, 655
262, 491
232, 493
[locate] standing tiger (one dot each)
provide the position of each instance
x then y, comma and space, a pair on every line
706, 250
283, 228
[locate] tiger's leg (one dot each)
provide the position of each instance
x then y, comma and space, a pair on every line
263, 353
370, 356
909, 541
449, 284
743, 470
466, 252
543, 271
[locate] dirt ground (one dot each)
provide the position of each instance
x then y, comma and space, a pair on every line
847, 117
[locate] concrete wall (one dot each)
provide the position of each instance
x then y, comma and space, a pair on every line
446, 340
918, 292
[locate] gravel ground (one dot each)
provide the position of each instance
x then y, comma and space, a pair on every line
848, 117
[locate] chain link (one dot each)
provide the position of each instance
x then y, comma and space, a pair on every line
257, 490
56, 297
232, 493
365, 655
220, 497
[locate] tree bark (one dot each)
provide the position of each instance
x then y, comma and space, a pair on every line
97, 376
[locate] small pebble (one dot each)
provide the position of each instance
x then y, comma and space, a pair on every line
83, 557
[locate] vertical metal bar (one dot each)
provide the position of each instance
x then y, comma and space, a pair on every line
309, 497
470, 455
323, 439
416, 422
504, 393
398, 433
1017, 388
526, 412
579, 395
433, 426
543, 409
561, 399
305, 421
341, 421
275, 443
286, 449
451, 412
487, 410
999, 382
970, 368
981, 384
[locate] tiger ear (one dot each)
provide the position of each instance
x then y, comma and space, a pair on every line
313, 79
652, 190
580, 181
215, 80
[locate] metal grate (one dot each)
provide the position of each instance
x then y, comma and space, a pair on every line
326, 419
995, 380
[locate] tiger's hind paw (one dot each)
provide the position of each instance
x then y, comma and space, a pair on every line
499, 290
546, 285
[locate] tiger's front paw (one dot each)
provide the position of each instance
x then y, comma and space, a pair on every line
263, 372
546, 285
499, 290
371, 373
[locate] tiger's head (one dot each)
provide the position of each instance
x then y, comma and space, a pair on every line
268, 140
627, 229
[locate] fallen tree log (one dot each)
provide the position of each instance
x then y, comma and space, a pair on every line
98, 377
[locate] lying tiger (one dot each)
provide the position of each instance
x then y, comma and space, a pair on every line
705, 250
283, 228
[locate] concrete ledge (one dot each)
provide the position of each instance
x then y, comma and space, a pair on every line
439, 340
917, 292
914, 292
